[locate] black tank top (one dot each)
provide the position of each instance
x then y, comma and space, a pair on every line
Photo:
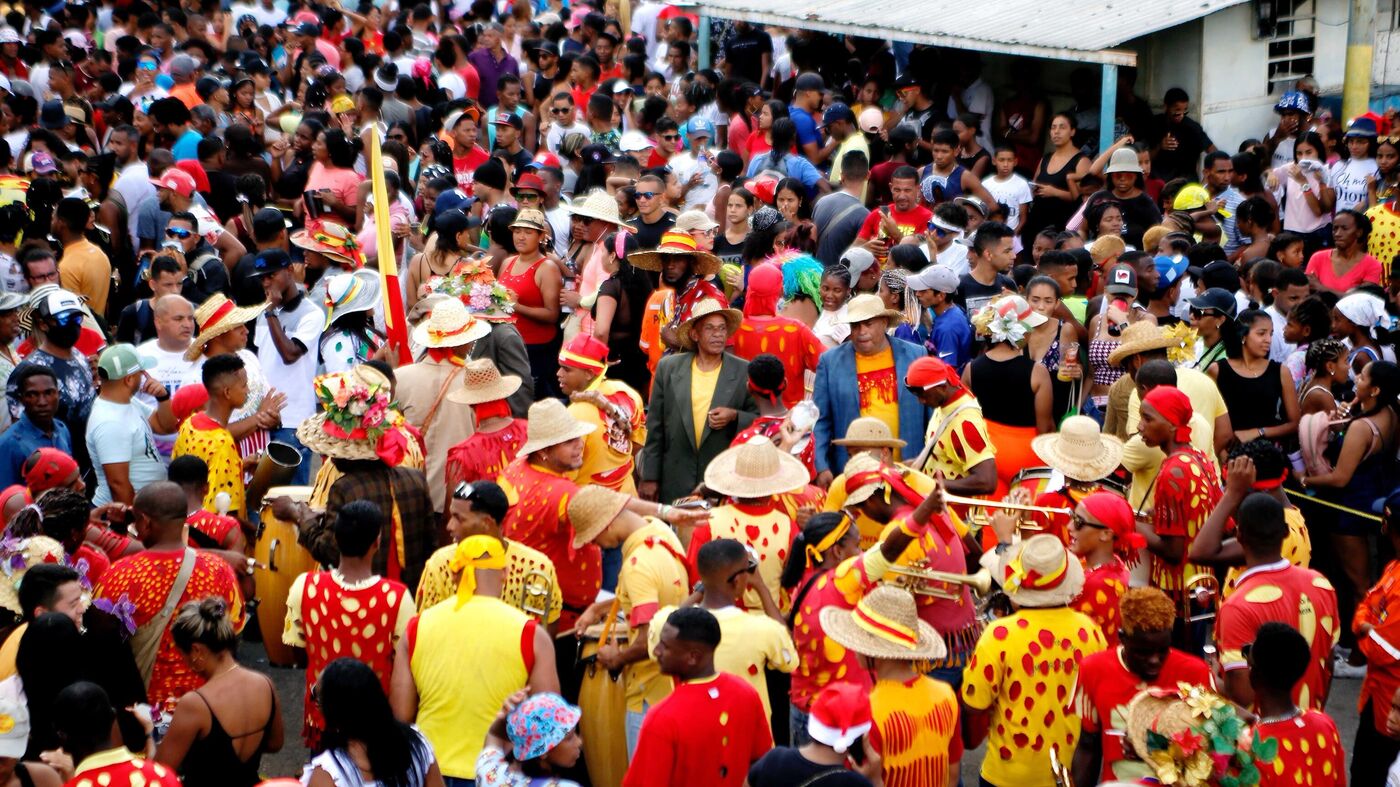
213, 761
1254, 402
1003, 388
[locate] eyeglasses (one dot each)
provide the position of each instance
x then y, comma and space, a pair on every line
1076, 521
178, 232
670, 137
646, 195
463, 491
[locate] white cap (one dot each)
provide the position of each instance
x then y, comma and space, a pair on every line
870, 120
939, 278
634, 141
858, 260
14, 718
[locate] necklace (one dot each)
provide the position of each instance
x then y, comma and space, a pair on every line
231, 668
1290, 715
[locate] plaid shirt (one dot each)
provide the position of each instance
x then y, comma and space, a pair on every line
384, 486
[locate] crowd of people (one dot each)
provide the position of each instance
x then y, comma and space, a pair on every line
823, 416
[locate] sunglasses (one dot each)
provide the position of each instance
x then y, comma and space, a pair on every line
1199, 313
670, 137
463, 491
1077, 522
560, 110
528, 196
147, 65
178, 232
937, 230
646, 195
73, 317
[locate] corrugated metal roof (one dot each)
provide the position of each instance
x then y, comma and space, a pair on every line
1085, 31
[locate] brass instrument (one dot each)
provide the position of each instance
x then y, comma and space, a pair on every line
979, 516
537, 592
923, 581
1201, 593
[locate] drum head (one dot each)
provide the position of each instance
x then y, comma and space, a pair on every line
299, 494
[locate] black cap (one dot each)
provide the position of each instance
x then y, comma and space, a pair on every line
1220, 274
52, 116
1217, 300
270, 261
267, 222
509, 119
907, 79
596, 154
809, 81
307, 29
492, 174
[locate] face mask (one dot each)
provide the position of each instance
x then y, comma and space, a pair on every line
64, 336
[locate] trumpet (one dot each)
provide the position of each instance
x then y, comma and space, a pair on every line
979, 515
923, 581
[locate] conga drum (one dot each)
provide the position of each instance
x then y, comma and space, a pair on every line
603, 700
280, 559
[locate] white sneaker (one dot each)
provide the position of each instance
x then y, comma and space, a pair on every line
1346, 671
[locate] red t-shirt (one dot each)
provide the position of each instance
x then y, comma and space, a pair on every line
464, 167
1309, 752
97, 562
1300, 597
1105, 687
706, 734
1367, 270
1103, 590
538, 518
911, 222
215, 526
793, 342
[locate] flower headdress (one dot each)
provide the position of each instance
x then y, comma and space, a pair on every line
1193, 737
1183, 343
1001, 324
472, 282
357, 407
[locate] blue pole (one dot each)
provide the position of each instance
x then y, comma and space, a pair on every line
1108, 106
704, 34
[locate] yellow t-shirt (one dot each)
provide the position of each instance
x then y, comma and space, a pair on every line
653, 576
749, 643
962, 444
878, 387
770, 535
914, 727
702, 392
205, 438
439, 581
1025, 675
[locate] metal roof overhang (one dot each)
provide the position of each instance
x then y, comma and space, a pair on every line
1085, 32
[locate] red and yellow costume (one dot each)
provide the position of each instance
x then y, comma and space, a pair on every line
331, 618
484, 455
614, 409
538, 518
217, 527
202, 436
1309, 752
767, 528
1105, 583
915, 731
792, 342
770, 426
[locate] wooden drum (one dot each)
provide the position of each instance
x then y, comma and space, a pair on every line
603, 700
280, 559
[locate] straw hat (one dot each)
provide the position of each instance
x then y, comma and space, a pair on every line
676, 244
869, 431
331, 239
1139, 337
1079, 450
347, 293
484, 383
217, 316
861, 463
338, 432
704, 309
868, 307
884, 625
591, 509
1040, 572
755, 469
449, 324
550, 424
600, 205
20, 556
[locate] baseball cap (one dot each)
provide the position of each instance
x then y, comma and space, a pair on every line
52, 116
1220, 274
41, 161
835, 112
267, 221
939, 278
175, 179
634, 141
1388, 506
182, 66
307, 29
596, 154
858, 260
972, 201
58, 301
14, 718
386, 77
693, 220
270, 261
902, 135
699, 127
870, 120
1169, 270
1122, 280
809, 81
509, 119
621, 85
9, 35
122, 360
452, 199
907, 79
1217, 300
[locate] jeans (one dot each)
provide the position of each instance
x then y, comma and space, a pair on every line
634, 729
302, 476
797, 726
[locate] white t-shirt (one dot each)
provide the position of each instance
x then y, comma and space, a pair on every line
302, 324
644, 24
172, 371
831, 327
453, 83
686, 166
557, 133
1015, 194
955, 257
11, 275
560, 222
120, 433
1348, 179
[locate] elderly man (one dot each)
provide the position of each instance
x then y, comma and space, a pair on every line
862, 378
611, 406
174, 320
422, 388
491, 61
956, 448
699, 402
684, 268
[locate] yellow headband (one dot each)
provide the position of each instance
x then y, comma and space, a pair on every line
474, 552
814, 553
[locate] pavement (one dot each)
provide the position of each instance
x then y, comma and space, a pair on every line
291, 686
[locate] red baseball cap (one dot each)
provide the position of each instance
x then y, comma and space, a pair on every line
196, 171
177, 180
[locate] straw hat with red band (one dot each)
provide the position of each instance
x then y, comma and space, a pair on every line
217, 316
884, 625
449, 325
676, 244
586, 353
331, 239
1040, 572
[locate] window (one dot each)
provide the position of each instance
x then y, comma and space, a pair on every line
1289, 29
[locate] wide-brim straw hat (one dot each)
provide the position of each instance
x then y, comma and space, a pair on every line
869, 432
676, 244
1150, 711
306, 239
347, 293
893, 613
484, 383
755, 469
1080, 450
701, 310
1044, 555
591, 509
217, 316
312, 434
861, 463
600, 205
449, 324
868, 307
548, 424
1139, 337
